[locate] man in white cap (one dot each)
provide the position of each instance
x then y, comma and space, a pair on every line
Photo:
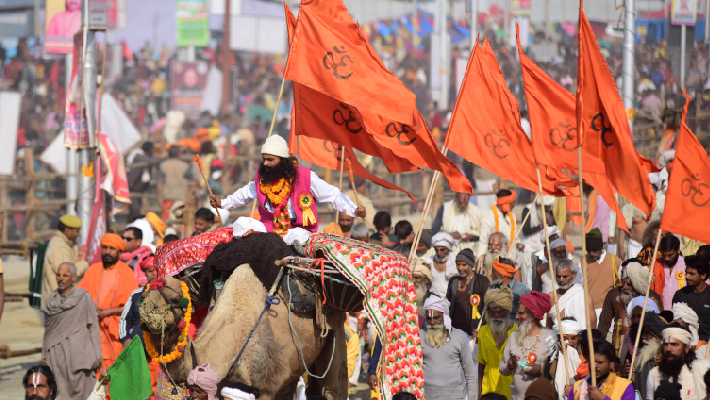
446, 353
571, 330
287, 193
679, 364
444, 263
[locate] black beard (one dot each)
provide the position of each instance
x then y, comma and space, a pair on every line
35, 397
285, 169
673, 263
671, 369
108, 260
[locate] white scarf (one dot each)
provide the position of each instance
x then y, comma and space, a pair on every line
572, 303
573, 361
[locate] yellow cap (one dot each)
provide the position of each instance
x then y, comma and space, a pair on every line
71, 221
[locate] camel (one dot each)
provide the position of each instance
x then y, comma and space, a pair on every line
271, 360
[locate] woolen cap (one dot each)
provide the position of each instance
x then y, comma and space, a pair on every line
275, 146
71, 221
541, 389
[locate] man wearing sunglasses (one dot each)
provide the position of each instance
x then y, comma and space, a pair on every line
135, 251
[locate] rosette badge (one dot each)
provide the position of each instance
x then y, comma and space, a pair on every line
305, 203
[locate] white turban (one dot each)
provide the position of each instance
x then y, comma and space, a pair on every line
655, 178
639, 277
236, 394
548, 200
638, 302
679, 334
146, 229
569, 327
668, 155
686, 314
443, 239
437, 303
245, 224
551, 230
299, 234
275, 146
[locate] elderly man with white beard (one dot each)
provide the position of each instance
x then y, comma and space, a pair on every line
679, 364
444, 263
542, 271
529, 346
493, 340
571, 330
445, 354
634, 282
421, 276
496, 243
570, 297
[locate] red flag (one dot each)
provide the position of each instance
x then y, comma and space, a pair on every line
323, 115
688, 195
603, 125
328, 154
484, 128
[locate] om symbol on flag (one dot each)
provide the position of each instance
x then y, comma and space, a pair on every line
334, 148
603, 130
346, 122
342, 63
398, 132
688, 189
560, 139
501, 144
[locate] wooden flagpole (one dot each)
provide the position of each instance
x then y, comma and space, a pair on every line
271, 131
514, 240
585, 279
645, 302
427, 204
552, 269
340, 185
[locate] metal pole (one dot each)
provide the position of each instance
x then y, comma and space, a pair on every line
628, 66
38, 19
682, 56
415, 25
707, 27
88, 154
474, 22
72, 159
226, 51
444, 53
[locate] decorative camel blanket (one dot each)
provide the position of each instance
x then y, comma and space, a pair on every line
175, 256
384, 278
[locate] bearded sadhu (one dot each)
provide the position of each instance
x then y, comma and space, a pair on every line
287, 193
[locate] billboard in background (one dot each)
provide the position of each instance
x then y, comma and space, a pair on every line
258, 34
97, 14
521, 7
684, 12
187, 84
192, 23
62, 21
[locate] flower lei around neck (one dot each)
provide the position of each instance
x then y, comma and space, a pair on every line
275, 191
183, 325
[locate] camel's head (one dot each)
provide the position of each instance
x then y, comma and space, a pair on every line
163, 307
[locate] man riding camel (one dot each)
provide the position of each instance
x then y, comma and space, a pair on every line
287, 193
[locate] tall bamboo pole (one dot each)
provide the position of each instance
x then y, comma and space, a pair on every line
552, 269
585, 279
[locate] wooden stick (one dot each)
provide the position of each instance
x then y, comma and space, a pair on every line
423, 217
202, 174
517, 235
585, 279
552, 268
271, 131
352, 181
645, 302
480, 322
340, 185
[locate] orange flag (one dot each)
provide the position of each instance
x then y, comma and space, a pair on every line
484, 129
688, 194
603, 124
328, 154
323, 115
329, 53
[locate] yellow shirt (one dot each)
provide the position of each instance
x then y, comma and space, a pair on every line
353, 348
490, 355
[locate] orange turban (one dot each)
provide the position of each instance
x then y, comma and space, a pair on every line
506, 270
113, 240
506, 201
157, 224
